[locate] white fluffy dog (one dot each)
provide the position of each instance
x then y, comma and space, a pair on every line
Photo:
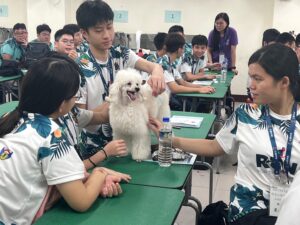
131, 103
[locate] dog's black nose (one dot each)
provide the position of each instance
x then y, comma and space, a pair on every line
137, 89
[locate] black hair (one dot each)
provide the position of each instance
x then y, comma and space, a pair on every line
46, 85
43, 27
175, 29
173, 42
297, 41
285, 38
199, 40
18, 26
58, 34
159, 40
216, 34
72, 27
90, 13
278, 61
270, 35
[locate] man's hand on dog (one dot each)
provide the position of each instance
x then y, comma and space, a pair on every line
157, 84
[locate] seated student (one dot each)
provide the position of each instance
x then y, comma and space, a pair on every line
193, 64
159, 42
36, 157
77, 34
99, 65
179, 30
43, 32
270, 36
64, 43
286, 39
253, 132
175, 84
14, 48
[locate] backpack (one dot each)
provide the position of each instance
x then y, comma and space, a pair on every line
214, 214
34, 52
9, 68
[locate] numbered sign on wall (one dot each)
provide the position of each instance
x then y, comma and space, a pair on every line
172, 16
121, 16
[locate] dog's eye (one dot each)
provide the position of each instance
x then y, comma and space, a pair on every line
129, 83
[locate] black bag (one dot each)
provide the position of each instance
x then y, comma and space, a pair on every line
214, 214
34, 52
9, 68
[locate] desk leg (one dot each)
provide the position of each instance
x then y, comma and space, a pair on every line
184, 104
188, 196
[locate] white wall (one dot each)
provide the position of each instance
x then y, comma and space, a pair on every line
249, 17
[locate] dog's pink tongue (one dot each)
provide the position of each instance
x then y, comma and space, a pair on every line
132, 96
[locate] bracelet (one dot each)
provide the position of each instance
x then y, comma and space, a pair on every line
92, 162
105, 153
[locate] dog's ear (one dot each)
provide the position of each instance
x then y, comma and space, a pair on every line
114, 91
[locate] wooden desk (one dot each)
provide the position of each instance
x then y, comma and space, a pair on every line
138, 205
8, 107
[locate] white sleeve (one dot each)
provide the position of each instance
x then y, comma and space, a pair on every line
177, 75
290, 206
62, 163
84, 117
185, 68
226, 137
132, 59
168, 77
83, 94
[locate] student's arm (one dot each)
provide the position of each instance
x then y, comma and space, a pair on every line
80, 196
203, 89
209, 55
176, 88
233, 58
199, 76
100, 114
156, 80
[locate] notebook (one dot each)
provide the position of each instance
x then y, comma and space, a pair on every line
203, 82
186, 121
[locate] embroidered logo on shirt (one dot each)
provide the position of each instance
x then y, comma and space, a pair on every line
5, 153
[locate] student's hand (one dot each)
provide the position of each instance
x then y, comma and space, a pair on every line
216, 66
157, 84
73, 54
206, 90
235, 71
122, 176
111, 186
155, 125
116, 148
210, 77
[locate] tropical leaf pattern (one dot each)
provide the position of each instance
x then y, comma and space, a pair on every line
152, 58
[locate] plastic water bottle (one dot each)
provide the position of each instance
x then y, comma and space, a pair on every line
223, 71
165, 144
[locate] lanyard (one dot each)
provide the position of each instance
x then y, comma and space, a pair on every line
99, 69
289, 142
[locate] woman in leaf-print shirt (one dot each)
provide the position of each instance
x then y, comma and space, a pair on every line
35, 154
273, 72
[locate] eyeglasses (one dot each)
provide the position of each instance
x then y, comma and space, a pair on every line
70, 42
77, 96
20, 33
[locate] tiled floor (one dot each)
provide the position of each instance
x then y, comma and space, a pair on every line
200, 188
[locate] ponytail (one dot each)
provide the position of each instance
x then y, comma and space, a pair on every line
9, 122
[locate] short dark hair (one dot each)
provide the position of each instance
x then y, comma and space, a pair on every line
90, 13
175, 29
298, 40
72, 27
159, 40
18, 26
199, 40
58, 34
43, 27
46, 85
270, 35
285, 38
278, 61
173, 42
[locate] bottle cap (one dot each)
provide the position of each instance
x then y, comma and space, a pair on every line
166, 119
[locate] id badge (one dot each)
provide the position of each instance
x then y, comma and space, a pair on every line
276, 195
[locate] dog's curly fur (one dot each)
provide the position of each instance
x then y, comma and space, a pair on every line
131, 103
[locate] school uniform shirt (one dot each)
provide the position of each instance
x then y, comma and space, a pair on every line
171, 72
229, 39
72, 124
192, 65
11, 47
93, 90
34, 155
246, 132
